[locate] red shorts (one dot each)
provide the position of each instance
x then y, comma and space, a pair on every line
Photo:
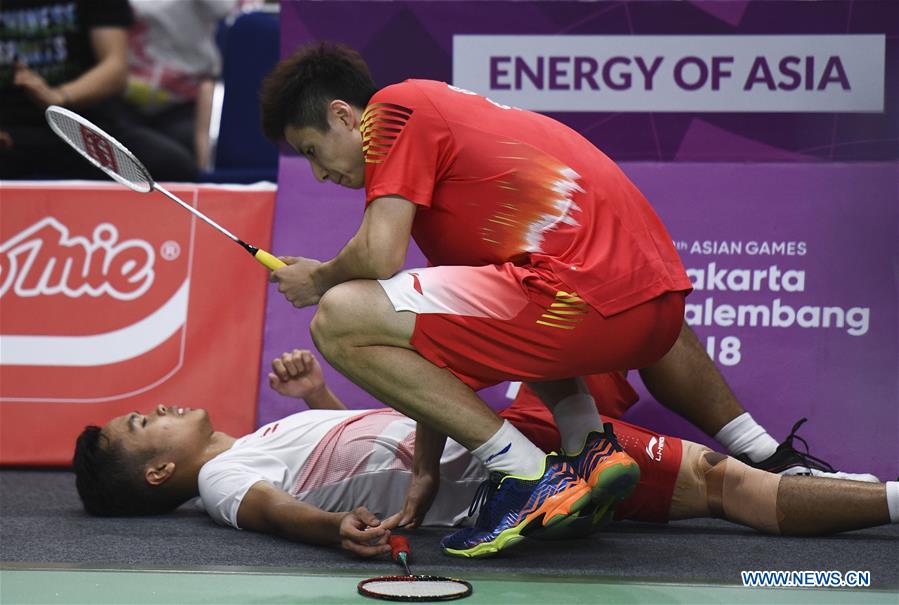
495, 323
659, 457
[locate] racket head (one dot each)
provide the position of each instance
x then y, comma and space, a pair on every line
414, 588
99, 148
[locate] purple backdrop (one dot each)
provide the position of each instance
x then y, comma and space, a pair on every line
827, 232
415, 40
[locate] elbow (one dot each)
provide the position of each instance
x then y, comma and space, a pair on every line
118, 77
387, 265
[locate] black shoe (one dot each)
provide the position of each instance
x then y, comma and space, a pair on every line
787, 460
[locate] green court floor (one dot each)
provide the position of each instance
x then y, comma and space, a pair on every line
101, 587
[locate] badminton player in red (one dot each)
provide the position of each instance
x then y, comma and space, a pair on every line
546, 263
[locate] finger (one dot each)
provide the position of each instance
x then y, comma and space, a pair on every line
392, 521
280, 370
273, 380
300, 361
308, 361
290, 365
400, 519
368, 535
364, 550
368, 517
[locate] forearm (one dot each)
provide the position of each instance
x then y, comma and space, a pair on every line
310, 526
377, 251
357, 260
105, 79
429, 444
202, 116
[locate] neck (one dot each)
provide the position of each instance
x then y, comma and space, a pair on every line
218, 442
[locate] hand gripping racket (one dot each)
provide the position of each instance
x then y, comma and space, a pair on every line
114, 159
410, 587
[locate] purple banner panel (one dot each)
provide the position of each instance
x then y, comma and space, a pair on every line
670, 81
795, 274
795, 267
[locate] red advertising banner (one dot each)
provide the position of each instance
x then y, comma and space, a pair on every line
113, 301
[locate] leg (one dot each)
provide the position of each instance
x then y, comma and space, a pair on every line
687, 381
573, 409
713, 485
358, 331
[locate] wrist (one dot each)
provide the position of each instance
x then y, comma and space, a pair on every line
63, 97
315, 396
319, 279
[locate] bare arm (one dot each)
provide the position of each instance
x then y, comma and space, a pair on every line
425, 483
105, 79
267, 509
202, 115
376, 251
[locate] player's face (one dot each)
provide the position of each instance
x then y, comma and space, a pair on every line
174, 430
335, 155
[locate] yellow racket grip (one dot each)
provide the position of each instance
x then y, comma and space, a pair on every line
272, 262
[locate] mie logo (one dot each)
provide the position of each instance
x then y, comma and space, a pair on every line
44, 260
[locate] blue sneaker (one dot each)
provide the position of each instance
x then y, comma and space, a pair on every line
511, 507
612, 476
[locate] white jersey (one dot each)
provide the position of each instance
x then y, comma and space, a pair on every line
337, 460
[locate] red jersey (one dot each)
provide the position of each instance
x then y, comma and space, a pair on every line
496, 184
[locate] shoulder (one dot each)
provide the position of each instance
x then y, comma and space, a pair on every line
412, 94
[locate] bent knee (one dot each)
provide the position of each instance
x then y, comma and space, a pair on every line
358, 313
335, 313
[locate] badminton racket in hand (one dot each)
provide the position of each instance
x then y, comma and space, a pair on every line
411, 587
115, 160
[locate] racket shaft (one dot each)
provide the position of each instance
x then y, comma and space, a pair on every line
196, 212
265, 259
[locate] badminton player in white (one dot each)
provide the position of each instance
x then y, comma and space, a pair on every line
330, 475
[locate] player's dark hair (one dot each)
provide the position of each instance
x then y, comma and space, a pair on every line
298, 90
110, 481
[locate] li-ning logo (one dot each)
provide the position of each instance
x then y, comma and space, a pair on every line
505, 450
44, 260
657, 455
98, 148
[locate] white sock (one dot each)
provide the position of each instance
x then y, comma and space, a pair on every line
743, 435
893, 500
576, 416
508, 451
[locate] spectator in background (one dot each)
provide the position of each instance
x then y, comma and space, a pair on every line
173, 63
57, 52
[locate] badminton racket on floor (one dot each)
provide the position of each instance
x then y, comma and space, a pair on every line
411, 587
115, 160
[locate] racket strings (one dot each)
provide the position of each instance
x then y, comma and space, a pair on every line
417, 587
103, 151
